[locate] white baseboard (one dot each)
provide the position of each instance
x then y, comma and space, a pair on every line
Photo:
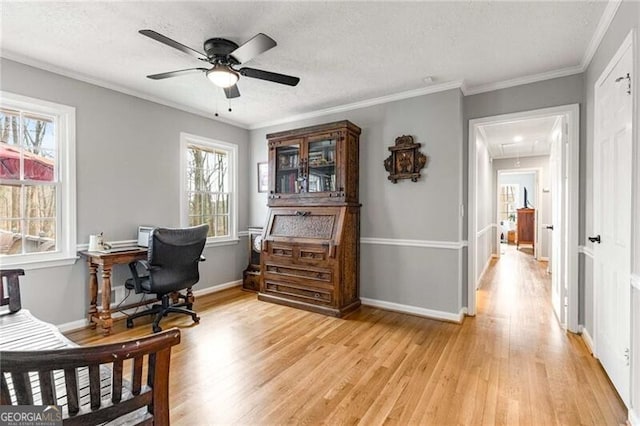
634, 418
586, 337
82, 323
415, 310
73, 325
217, 288
543, 259
484, 270
495, 256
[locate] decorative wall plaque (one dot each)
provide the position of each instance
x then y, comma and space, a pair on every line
405, 161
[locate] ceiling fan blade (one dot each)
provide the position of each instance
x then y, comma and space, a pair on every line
232, 92
269, 76
172, 43
252, 48
175, 73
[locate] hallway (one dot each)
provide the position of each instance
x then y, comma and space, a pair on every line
545, 375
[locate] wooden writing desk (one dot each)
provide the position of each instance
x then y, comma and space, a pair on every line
105, 262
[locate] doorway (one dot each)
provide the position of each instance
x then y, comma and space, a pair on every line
562, 161
517, 191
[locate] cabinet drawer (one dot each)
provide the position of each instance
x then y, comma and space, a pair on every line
315, 254
317, 295
281, 250
312, 254
303, 272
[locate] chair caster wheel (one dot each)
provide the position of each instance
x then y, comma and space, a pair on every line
129, 323
157, 329
196, 319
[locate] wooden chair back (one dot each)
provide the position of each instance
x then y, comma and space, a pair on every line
12, 296
53, 377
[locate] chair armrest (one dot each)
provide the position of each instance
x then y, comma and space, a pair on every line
137, 279
13, 288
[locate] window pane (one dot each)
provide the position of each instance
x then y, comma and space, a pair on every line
9, 202
10, 162
38, 134
40, 236
200, 205
39, 166
222, 225
10, 237
207, 170
40, 201
220, 203
9, 122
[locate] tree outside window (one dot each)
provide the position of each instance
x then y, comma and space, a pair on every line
29, 183
208, 189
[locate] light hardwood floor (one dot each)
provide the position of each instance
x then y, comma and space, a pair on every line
251, 362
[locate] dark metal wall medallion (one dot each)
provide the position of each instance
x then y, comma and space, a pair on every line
405, 161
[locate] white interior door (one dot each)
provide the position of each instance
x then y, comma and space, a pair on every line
558, 174
612, 222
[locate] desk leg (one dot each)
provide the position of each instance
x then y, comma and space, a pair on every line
93, 293
105, 315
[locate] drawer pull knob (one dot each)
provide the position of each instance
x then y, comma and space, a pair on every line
316, 295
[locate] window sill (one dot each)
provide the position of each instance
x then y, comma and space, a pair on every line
221, 243
31, 264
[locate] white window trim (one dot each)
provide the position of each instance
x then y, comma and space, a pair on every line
185, 140
66, 234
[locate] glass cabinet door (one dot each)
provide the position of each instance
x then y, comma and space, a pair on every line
287, 169
322, 166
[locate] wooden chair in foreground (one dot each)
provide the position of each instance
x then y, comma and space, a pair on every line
39, 366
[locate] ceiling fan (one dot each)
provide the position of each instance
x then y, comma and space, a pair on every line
224, 54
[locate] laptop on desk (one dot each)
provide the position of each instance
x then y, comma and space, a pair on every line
143, 242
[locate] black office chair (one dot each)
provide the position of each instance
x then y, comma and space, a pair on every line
172, 265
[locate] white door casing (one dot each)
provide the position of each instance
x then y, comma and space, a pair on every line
558, 187
570, 243
612, 220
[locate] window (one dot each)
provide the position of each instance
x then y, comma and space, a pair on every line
209, 186
508, 197
37, 183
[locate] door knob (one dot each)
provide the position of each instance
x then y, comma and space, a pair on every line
550, 227
595, 239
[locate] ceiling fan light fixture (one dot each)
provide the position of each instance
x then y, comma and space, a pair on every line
223, 76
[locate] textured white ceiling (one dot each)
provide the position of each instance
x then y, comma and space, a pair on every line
343, 52
534, 137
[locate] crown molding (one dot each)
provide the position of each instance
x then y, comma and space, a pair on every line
603, 25
363, 104
12, 56
490, 87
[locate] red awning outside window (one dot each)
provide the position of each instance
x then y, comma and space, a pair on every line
35, 167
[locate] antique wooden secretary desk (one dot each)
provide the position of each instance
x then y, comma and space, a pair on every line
311, 243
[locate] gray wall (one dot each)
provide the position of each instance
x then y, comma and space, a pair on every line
626, 19
127, 152
426, 210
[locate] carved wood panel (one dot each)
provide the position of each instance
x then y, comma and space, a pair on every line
302, 226
405, 161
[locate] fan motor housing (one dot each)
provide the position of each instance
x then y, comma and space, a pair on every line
220, 47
